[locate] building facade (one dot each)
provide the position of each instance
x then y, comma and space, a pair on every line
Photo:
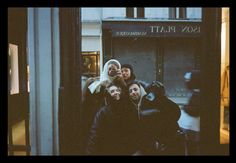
143, 37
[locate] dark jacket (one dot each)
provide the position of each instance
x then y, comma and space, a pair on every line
193, 83
159, 123
114, 131
90, 106
165, 118
193, 107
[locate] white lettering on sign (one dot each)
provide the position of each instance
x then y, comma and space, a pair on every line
163, 29
190, 29
156, 30
131, 33
174, 29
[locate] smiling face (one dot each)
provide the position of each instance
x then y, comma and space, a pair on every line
134, 92
112, 69
115, 92
126, 73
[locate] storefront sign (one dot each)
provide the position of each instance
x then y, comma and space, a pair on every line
155, 29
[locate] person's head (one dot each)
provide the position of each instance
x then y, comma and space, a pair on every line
114, 91
192, 79
157, 88
127, 72
111, 67
106, 75
134, 91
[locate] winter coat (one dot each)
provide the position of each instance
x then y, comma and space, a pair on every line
114, 131
193, 107
158, 119
90, 106
159, 123
93, 99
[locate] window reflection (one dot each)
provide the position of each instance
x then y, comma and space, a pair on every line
225, 75
13, 71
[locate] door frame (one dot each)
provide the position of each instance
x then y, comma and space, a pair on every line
18, 104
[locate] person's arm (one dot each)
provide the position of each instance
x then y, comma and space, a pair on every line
193, 108
119, 80
95, 135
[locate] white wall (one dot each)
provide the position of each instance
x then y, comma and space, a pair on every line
91, 13
114, 12
156, 12
91, 44
194, 13
96, 14
91, 29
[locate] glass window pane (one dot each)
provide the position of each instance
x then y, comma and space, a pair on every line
18, 133
13, 69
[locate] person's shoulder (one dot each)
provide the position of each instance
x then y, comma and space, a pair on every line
103, 111
90, 80
171, 102
144, 84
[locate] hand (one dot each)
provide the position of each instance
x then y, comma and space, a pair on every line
115, 73
118, 72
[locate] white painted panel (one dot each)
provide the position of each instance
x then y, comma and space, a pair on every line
91, 29
156, 12
114, 12
91, 13
91, 44
44, 74
32, 96
194, 13
56, 77
44, 64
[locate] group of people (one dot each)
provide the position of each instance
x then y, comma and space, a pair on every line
125, 116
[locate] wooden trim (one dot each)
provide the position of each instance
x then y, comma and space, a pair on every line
210, 84
172, 12
130, 12
70, 95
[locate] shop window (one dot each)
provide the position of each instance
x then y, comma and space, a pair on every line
91, 64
